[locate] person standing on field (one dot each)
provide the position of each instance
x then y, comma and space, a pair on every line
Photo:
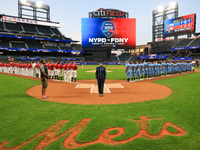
74, 72
66, 73
44, 77
100, 76
69, 71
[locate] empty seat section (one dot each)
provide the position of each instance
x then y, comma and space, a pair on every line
184, 43
18, 45
51, 47
35, 45
1, 26
4, 44
57, 37
29, 28
44, 29
64, 46
56, 31
196, 42
13, 27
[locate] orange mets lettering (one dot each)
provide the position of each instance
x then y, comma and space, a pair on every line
49, 135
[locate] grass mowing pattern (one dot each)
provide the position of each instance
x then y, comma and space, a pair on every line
22, 117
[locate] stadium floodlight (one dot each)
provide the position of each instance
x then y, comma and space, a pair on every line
160, 9
39, 4
24, 2
173, 5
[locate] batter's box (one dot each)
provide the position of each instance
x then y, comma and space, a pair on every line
94, 88
85, 86
118, 86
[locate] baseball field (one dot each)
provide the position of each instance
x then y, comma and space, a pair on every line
170, 123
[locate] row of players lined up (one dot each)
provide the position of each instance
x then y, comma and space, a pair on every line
55, 70
144, 69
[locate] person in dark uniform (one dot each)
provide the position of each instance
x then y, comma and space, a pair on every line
100, 76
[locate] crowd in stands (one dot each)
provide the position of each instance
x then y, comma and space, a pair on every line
59, 71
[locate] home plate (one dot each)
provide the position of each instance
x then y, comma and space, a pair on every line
94, 88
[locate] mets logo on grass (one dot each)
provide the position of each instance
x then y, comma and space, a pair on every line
106, 137
108, 28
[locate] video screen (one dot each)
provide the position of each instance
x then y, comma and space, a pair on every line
182, 25
111, 33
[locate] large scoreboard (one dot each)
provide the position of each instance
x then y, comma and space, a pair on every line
182, 25
109, 33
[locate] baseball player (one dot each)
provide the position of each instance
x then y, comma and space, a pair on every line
60, 68
145, 68
133, 69
37, 66
56, 70
34, 69
47, 64
26, 69
11, 68
74, 72
15, 67
22, 69
1, 66
137, 70
66, 74
127, 71
141, 70
51, 70
30, 69
69, 71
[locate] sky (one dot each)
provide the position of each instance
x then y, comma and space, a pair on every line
70, 12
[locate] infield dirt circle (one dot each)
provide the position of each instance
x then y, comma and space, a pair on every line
116, 92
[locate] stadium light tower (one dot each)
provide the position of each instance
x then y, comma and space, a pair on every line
27, 5
23, 2
173, 5
161, 14
160, 9
39, 4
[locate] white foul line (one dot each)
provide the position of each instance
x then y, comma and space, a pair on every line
92, 89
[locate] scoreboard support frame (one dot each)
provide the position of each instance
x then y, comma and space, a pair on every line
159, 16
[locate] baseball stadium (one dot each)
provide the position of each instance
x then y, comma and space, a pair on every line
103, 91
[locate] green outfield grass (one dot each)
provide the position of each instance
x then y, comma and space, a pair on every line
115, 74
86, 66
22, 117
